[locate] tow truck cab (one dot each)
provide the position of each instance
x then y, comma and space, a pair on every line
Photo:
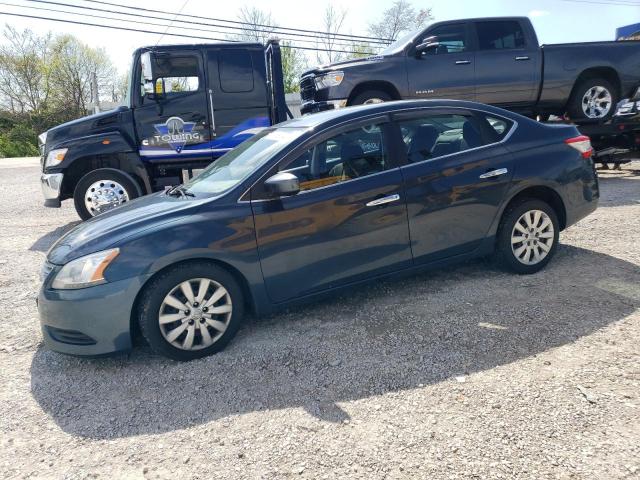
186, 106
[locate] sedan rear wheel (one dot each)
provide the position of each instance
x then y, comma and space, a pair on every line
190, 311
528, 236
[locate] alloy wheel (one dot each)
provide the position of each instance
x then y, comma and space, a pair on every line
195, 314
597, 102
532, 237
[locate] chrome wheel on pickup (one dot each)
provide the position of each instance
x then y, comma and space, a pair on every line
104, 195
102, 190
597, 102
593, 99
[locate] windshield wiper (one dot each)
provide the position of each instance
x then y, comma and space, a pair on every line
179, 191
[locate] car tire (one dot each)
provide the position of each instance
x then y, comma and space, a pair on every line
527, 236
371, 96
113, 185
598, 88
199, 334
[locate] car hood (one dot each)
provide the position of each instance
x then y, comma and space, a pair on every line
108, 229
353, 63
89, 125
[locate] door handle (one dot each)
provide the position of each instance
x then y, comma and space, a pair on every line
213, 117
383, 200
522, 59
463, 62
494, 173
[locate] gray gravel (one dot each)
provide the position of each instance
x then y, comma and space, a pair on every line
464, 373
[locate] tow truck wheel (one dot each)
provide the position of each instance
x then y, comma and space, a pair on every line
102, 190
593, 99
371, 96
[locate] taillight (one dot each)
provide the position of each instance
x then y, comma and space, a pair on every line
582, 144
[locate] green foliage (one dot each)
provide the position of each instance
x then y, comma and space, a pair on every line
46, 81
293, 62
17, 138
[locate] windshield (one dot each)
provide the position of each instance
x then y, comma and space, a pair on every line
401, 42
233, 167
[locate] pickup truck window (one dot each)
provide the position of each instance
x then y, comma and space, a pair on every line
500, 35
435, 135
452, 39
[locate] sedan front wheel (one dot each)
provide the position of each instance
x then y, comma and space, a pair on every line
190, 311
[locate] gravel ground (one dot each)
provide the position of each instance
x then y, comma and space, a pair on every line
464, 373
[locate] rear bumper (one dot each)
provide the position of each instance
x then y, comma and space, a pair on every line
90, 321
314, 107
51, 184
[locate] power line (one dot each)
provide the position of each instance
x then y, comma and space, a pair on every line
361, 37
274, 30
184, 4
142, 22
76, 22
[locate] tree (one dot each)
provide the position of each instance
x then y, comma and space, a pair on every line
293, 63
333, 21
260, 26
401, 17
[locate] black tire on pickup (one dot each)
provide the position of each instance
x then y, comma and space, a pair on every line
593, 99
371, 96
105, 183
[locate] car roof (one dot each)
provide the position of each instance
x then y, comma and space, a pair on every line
192, 46
341, 115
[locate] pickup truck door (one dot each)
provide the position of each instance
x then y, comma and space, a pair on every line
237, 96
508, 64
173, 123
447, 71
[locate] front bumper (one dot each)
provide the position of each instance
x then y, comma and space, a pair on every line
314, 107
89, 321
51, 184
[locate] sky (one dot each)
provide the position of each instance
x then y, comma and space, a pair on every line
556, 21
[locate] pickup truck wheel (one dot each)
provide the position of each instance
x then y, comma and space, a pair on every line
527, 236
102, 190
190, 311
593, 99
371, 96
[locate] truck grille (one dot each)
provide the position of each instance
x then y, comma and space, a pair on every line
307, 88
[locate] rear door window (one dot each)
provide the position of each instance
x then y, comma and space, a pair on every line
435, 135
500, 35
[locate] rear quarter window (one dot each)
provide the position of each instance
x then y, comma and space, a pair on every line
498, 126
236, 71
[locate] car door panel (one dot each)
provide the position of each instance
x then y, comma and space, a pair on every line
445, 72
175, 125
450, 207
506, 76
329, 237
237, 95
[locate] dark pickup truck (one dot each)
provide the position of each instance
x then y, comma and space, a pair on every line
490, 60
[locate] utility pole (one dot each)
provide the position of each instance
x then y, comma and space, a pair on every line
95, 100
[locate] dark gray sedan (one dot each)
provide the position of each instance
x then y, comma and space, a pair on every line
310, 206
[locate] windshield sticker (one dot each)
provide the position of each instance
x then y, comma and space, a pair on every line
176, 133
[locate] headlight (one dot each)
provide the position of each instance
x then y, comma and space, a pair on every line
331, 79
84, 271
55, 157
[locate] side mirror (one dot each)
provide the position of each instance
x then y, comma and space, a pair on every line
282, 184
429, 43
